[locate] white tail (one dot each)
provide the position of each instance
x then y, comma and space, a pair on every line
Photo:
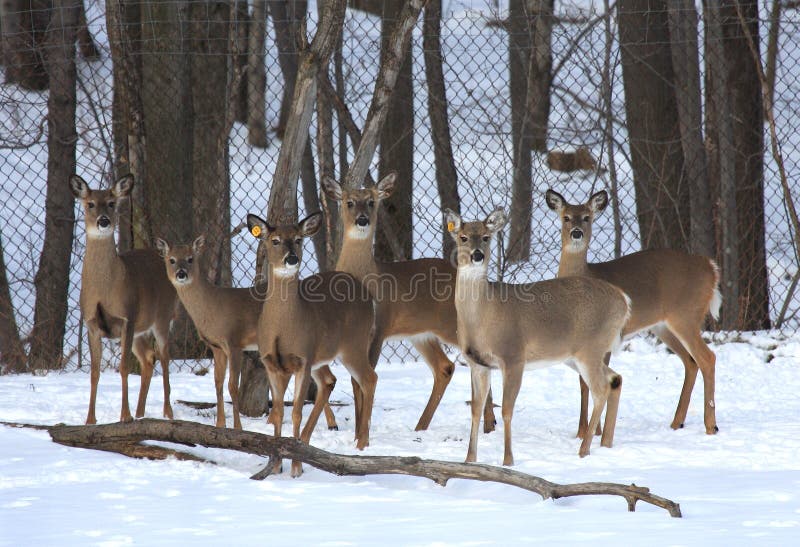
125, 296
671, 293
512, 327
414, 297
304, 325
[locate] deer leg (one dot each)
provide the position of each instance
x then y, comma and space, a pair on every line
324, 388
302, 379
512, 380
162, 345
612, 406
442, 369
599, 385
326, 380
358, 404
126, 343
147, 359
220, 364
489, 421
689, 376
480, 380
235, 360
583, 419
95, 353
278, 381
706, 361
362, 372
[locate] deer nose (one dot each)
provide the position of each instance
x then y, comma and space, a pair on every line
103, 222
478, 256
180, 275
576, 234
362, 221
291, 260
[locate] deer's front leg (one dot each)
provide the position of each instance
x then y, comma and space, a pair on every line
481, 377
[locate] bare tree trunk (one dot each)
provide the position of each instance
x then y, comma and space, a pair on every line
397, 148
123, 21
608, 107
327, 168
772, 53
167, 101
12, 353
287, 16
23, 32
52, 277
530, 24
719, 128
210, 51
683, 34
446, 174
748, 116
311, 200
662, 192
85, 40
256, 77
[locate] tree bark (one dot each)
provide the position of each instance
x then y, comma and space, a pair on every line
209, 31
610, 142
662, 192
108, 436
747, 116
12, 353
23, 33
287, 16
683, 34
327, 168
256, 77
397, 147
86, 43
772, 54
446, 174
52, 277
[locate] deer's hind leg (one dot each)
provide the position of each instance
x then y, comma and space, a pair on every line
147, 358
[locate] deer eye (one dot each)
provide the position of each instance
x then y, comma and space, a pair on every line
298, 241
486, 238
91, 205
172, 260
371, 203
110, 204
463, 238
351, 204
566, 219
189, 259
586, 218
276, 242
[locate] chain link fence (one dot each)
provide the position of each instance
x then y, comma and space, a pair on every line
194, 80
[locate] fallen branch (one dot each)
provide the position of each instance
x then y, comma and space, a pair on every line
189, 433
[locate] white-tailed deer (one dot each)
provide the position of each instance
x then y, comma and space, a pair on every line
304, 325
125, 296
671, 292
535, 325
414, 297
226, 319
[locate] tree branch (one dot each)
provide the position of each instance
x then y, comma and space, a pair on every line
189, 433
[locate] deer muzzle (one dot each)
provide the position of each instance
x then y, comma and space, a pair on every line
477, 256
576, 234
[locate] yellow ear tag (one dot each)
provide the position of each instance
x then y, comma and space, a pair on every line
256, 231
451, 226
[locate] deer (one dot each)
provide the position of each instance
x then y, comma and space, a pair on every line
304, 325
226, 319
124, 296
418, 305
671, 293
515, 327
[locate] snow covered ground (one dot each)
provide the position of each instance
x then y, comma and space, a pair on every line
741, 486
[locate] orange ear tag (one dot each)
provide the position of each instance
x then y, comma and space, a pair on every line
256, 231
451, 226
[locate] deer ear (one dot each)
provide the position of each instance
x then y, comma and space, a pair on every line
162, 246
598, 201
554, 200
198, 244
257, 226
123, 186
311, 224
452, 221
496, 220
386, 185
78, 187
332, 188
